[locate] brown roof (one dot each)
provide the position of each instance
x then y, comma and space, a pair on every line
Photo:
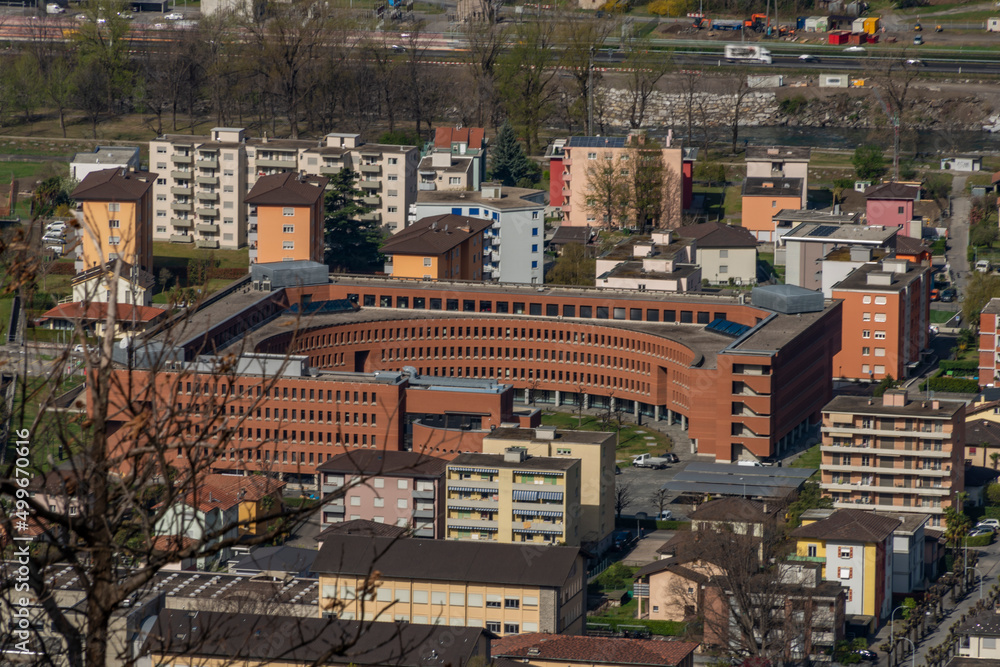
733, 509
287, 189
717, 235
850, 526
140, 277
435, 235
596, 650
98, 310
167, 543
568, 234
445, 136
982, 433
114, 185
906, 245
362, 527
244, 487
55, 482
892, 191
385, 462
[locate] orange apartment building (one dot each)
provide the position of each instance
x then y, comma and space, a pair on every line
287, 212
989, 333
116, 208
893, 453
885, 321
763, 197
439, 247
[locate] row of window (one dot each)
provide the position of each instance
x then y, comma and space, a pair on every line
213, 388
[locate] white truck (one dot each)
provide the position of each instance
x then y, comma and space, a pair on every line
648, 461
54, 8
747, 53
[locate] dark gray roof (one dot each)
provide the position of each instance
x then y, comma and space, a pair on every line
114, 185
732, 479
435, 235
254, 638
772, 187
717, 235
278, 559
287, 189
858, 278
384, 462
362, 527
568, 234
983, 624
914, 408
733, 509
440, 560
497, 461
892, 191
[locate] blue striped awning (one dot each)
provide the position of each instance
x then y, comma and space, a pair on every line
543, 513
482, 529
551, 495
540, 473
488, 471
466, 489
529, 496
461, 508
535, 531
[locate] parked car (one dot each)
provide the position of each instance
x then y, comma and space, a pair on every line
914, 62
980, 526
983, 266
995, 523
750, 464
665, 515
671, 457
56, 250
622, 539
58, 225
948, 295
918, 40
865, 654
854, 49
979, 532
174, 16
935, 294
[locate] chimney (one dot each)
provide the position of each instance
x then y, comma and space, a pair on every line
515, 455
545, 433
895, 398
265, 137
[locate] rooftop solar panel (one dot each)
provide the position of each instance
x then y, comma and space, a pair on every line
596, 142
823, 230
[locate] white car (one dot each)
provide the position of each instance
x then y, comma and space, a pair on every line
993, 523
914, 62
854, 49
55, 250
808, 58
174, 16
159, 26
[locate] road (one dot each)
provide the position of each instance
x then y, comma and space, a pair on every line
958, 233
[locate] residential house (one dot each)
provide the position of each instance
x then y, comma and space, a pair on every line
516, 238
133, 285
505, 588
765, 196
212, 639
978, 637
893, 454
548, 650
658, 262
574, 164
439, 247
962, 163
287, 215
982, 438
488, 498
258, 496
104, 157
817, 255
739, 515
596, 453
202, 512
788, 219
913, 250
56, 491
727, 254
92, 317
886, 319
891, 205
855, 548
116, 212
989, 344
564, 236
404, 489
456, 160
780, 162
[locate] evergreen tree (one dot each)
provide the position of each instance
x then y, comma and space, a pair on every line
869, 163
352, 244
510, 165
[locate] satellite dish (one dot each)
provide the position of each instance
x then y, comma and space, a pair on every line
125, 343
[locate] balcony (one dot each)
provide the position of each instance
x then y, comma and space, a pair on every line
208, 196
181, 223
372, 201
423, 495
207, 164
182, 206
330, 169
205, 243
208, 212
470, 524
427, 187
850, 429
883, 470
207, 180
371, 169
181, 175
567, 161
878, 488
182, 159
372, 217
278, 163
885, 451
206, 228
181, 238
183, 192
567, 177
334, 509
423, 514
424, 532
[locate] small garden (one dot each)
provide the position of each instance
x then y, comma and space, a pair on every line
632, 439
617, 578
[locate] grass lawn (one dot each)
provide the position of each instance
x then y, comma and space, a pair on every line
767, 259
177, 254
810, 458
714, 197
977, 180
6, 305
29, 169
941, 316
625, 616
734, 201
633, 440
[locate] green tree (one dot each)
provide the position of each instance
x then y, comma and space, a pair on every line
995, 460
24, 76
401, 138
49, 195
811, 497
840, 186
509, 164
983, 234
574, 267
869, 162
957, 523
978, 291
352, 243
885, 384
993, 490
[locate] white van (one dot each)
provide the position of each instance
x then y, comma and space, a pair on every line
752, 464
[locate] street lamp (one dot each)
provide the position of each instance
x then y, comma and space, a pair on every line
744, 487
976, 570
892, 620
913, 651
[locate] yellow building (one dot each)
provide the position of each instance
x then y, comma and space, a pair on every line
218, 639
596, 453
513, 497
505, 588
982, 434
855, 548
117, 212
440, 247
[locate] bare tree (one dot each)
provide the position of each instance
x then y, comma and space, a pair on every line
673, 199
608, 190
738, 87
690, 83
660, 499
486, 42
525, 78
580, 40
624, 496
644, 68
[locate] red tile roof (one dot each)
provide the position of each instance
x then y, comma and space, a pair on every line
596, 650
171, 542
445, 136
287, 189
114, 185
98, 310
244, 487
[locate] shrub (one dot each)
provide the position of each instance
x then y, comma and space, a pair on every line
713, 172
793, 105
991, 512
947, 365
939, 247
980, 540
617, 577
951, 385
993, 495
62, 269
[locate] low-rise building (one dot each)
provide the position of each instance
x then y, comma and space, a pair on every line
439, 247
93, 316
977, 638
739, 515
134, 285
855, 548
891, 205
505, 588
596, 453
404, 489
104, 157
982, 438
780, 162
516, 237
456, 160
727, 254
807, 246
513, 498
547, 650
886, 319
893, 454
765, 196
962, 163
659, 262
287, 214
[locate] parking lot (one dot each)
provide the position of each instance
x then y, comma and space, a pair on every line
644, 482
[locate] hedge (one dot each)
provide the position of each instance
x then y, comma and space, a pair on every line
228, 273
959, 365
979, 541
953, 385
992, 512
62, 269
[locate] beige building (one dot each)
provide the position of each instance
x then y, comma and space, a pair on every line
893, 453
513, 498
727, 254
596, 453
780, 162
200, 194
660, 262
978, 638
506, 588
456, 160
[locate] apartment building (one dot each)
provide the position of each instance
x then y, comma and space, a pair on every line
514, 243
989, 344
886, 318
200, 194
780, 162
660, 262
763, 197
727, 254
596, 453
506, 588
893, 453
440, 247
287, 213
819, 254
456, 160
104, 157
513, 498
404, 489
115, 211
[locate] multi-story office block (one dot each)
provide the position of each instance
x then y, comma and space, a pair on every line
893, 453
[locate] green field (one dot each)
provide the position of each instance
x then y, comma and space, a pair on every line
625, 615
810, 458
633, 440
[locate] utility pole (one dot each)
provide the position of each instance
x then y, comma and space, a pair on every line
590, 95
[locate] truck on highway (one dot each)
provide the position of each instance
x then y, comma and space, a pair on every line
747, 53
648, 461
54, 8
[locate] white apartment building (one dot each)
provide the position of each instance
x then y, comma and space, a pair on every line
514, 246
200, 196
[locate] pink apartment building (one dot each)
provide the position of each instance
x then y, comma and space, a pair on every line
891, 205
391, 487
